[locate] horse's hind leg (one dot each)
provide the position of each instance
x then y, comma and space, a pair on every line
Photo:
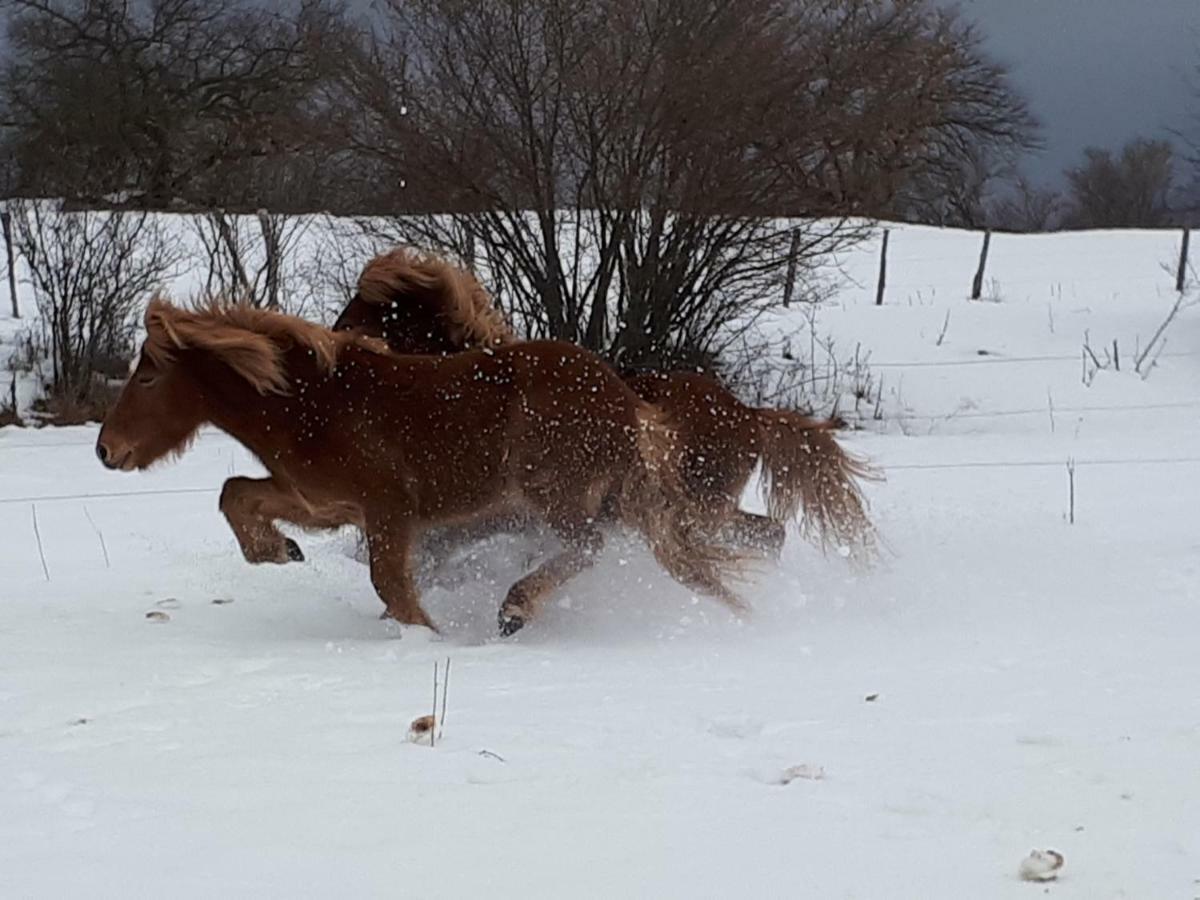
441, 544
252, 505
391, 574
584, 542
752, 531
699, 578
722, 520
682, 555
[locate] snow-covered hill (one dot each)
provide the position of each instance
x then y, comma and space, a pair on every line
1003, 680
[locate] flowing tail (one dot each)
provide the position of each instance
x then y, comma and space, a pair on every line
807, 473
655, 501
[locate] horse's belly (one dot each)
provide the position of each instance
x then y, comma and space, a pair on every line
467, 480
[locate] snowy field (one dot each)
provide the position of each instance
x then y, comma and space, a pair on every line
1003, 680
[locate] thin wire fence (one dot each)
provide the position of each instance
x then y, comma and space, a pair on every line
893, 467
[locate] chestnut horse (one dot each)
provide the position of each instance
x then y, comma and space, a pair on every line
420, 303
352, 433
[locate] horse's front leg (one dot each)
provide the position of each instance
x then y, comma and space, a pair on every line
389, 547
253, 505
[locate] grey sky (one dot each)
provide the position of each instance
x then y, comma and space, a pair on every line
1096, 72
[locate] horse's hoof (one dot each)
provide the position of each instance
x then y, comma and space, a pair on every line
293, 551
510, 623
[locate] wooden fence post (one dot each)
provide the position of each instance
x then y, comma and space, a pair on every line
882, 269
1181, 276
470, 260
6, 222
270, 235
977, 284
789, 284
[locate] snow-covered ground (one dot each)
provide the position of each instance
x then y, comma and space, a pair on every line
1032, 679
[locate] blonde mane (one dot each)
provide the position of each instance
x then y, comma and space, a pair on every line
459, 297
251, 341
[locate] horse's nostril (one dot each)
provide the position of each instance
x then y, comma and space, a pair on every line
101, 452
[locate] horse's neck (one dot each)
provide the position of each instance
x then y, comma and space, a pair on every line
416, 330
256, 421
255, 428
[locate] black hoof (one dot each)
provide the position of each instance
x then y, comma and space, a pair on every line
293, 550
510, 623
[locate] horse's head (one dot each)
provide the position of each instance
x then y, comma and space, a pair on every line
407, 325
362, 317
159, 409
207, 364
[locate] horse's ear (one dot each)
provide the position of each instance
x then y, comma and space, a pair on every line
159, 322
156, 311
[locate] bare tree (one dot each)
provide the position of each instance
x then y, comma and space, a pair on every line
1027, 208
1189, 137
167, 101
909, 110
91, 272
618, 169
962, 197
1130, 190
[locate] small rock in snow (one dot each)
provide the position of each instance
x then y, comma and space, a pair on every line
157, 615
1041, 865
741, 727
804, 771
169, 603
421, 730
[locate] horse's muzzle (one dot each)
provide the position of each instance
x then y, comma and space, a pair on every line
110, 459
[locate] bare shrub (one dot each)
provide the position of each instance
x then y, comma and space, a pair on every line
804, 370
91, 272
1147, 358
249, 257
69, 409
9, 413
25, 358
1027, 208
1131, 189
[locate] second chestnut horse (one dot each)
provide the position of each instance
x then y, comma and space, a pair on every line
420, 303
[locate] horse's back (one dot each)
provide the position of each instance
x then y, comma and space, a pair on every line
578, 416
568, 373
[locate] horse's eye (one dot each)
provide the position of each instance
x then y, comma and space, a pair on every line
147, 380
